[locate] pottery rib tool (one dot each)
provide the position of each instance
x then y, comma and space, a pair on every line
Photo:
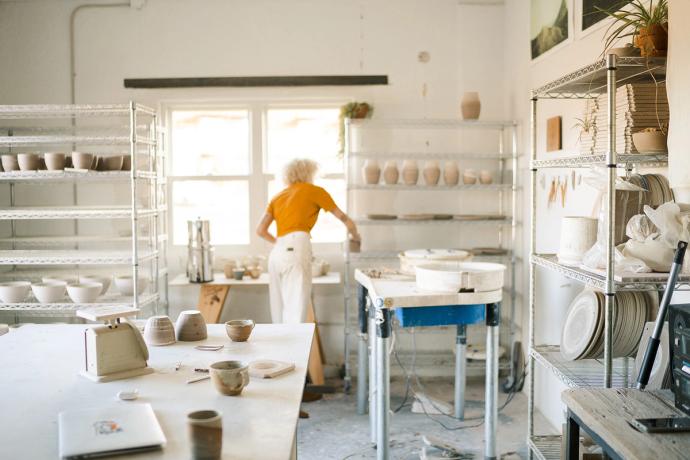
198, 379
209, 347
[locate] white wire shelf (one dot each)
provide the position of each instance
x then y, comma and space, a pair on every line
68, 308
581, 161
390, 222
584, 373
394, 255
35, 273
545, 447
73, 176
430, 123
82, 140
420, 187
627, 282
40, 241
70, 257
73, 212
69, 111
590, 81
432, 155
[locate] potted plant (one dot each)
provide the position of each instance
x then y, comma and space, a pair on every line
646, 23
352, 110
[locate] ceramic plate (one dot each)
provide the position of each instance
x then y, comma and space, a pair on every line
416, 216
381, 216
580, 325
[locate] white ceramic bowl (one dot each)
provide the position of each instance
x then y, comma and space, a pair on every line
49, 292
125, 284
14, 291
54, 161
104, 280
9, 163
84, 292
82, 160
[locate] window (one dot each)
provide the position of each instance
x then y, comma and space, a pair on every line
226, 164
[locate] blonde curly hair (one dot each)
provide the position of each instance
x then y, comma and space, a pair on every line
300, 170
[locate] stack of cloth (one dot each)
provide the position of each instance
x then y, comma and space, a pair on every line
638, 106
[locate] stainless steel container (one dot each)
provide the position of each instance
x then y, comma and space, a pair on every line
199, 251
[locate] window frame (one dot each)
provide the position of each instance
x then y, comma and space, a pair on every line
257, 177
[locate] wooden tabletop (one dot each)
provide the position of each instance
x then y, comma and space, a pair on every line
606, 412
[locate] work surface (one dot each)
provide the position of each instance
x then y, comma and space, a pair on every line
39, 378
219, 278
607, 412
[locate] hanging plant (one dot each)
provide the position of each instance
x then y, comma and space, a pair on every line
355, 110
646, 24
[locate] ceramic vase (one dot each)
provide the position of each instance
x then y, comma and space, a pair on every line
432, 172
410, 172
451, 173
470, 106
371, 172
391, 173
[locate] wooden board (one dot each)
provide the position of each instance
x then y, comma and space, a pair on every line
315, 367
553, 134
211, 300
606, 412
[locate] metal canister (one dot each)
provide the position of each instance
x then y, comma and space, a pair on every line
199, 251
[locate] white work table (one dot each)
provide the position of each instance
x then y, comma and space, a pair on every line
262, 280
39, 378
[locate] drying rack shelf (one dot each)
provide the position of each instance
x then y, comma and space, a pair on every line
583, 373
69, 111
71, 257
74, 212
70, 176
68, 308
395, 222
429, 123
70, 240
34, 273
81, 140
545, 447
590, 81
627, 282
431, 155
581, 161
393, 256
426, 188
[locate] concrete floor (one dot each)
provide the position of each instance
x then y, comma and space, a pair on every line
335, 431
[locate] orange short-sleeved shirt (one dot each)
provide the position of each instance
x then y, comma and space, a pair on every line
296, 208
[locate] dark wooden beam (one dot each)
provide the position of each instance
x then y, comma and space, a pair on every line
252, 82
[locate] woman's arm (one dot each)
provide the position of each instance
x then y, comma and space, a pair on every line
262, 228
351, 227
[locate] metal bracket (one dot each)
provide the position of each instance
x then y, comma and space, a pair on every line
383, 322
493, 314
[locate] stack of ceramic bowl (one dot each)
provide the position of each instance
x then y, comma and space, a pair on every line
412, 257
14, 291
583, 330
84, 292
49, 291
159, 331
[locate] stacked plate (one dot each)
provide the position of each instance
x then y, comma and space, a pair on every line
583, 329
660, 377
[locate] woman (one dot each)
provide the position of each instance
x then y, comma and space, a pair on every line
295, 211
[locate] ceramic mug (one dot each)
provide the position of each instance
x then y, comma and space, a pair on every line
239, 330
206, 434
229, 377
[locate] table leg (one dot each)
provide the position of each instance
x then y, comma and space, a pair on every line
460, 370
211, 301
362, 351
383, 333
493, 316
372, 374
572, 439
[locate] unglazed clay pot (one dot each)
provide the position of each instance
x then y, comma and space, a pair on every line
485, 177
82, 160
451, 173
391, 173
54, 161
239, 330
28, 161
371, 172
470, 105
432, 172
410, 172
469, 177
9, 163
229, 377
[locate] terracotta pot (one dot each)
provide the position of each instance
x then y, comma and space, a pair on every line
653, 40
391, 173
470, 106
410, 172
371, 172
451, 173
431, 172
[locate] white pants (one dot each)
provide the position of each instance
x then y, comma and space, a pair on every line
289, 271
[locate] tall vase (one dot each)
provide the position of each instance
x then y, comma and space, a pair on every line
410, 172
390, 172
431, 172
470, 105
371, 172
451, 173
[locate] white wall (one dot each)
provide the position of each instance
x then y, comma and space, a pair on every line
179, 38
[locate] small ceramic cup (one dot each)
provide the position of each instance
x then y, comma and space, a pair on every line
238, 273
239, 330
82, 160
28, 161
229, 377
469, 177
159, 331
254, 272
54, 161
9, 163
485, 177
190, 326
205, 429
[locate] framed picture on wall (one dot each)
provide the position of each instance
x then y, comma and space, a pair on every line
549, 25
590, 15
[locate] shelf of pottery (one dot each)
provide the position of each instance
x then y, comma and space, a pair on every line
432, 184
614, 255
82, 222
